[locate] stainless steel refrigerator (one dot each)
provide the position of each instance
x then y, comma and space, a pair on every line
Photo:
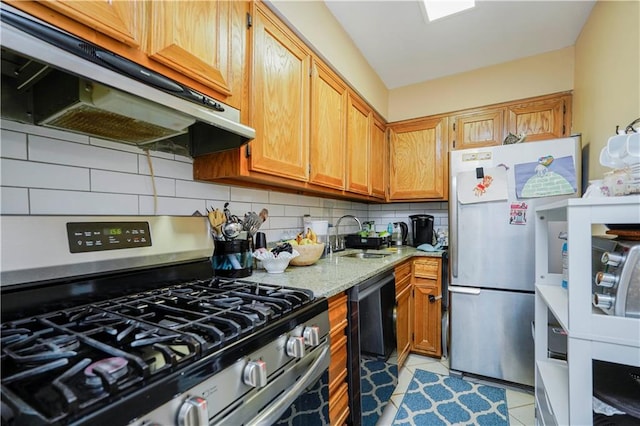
493, 195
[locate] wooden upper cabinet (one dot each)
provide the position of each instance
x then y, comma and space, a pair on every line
328, 128
378, 159
476, 129
358, 146
280, 112
418, 159
543, 119
194, 37
121, 20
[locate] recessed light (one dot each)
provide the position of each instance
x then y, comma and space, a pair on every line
437, 9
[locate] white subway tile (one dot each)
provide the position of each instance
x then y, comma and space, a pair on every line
129, 183
239, 209
283, 198
172, 206
42, 175
274, 209
249, 195
13, 144
14, 200
45, 201
45, 132
184, 159
203, 190
296, 211
166, 168
310, 201
74, 154
119, 146
285, 222
388, 207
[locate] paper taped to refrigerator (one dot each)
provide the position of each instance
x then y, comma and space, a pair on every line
492, 186
546, 177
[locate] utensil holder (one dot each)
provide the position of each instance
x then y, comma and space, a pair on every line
232, 259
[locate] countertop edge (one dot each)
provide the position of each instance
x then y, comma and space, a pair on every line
338, 273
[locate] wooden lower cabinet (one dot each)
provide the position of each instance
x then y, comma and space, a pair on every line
426, 325
338, 387
426, 307
403, 317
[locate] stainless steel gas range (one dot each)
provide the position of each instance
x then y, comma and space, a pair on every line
119, 320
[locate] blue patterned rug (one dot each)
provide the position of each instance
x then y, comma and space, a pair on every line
432, 399
378, 379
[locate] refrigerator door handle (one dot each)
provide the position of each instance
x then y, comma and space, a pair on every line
464, 290
453, 230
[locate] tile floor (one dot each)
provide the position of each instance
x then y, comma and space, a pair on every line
519, 403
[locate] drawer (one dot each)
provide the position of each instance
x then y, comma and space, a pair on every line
403, 283
426, 268
403, 271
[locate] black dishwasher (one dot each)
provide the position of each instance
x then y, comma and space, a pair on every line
371, 314
377, 301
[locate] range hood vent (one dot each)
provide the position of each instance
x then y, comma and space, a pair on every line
70, 103
51, 78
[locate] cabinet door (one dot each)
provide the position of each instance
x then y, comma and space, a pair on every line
378, 162
280, 95
544, 119
476, 129
194, 38
403, 323
427, 322
120, 20
358, 136
418, 160
338, 387
328, 128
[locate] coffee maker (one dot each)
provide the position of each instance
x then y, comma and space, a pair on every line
422, 229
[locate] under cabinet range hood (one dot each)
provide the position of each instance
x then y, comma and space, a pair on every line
54, 79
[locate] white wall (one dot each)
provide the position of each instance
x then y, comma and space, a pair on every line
50, 172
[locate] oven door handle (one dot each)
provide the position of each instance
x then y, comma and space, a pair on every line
274, 411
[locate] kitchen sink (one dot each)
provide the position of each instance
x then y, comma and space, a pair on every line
362, 255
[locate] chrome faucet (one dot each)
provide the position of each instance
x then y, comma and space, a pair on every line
339, 241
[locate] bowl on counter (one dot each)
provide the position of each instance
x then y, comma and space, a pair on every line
309, 254
273, 264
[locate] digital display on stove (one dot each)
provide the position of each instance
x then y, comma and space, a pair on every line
112, 231
99, 236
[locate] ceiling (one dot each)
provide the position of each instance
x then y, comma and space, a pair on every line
404, 49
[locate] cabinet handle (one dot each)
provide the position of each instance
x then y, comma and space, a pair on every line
395, 322
433, 298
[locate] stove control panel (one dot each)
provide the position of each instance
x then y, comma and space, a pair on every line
99, 236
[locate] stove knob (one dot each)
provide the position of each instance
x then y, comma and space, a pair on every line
612, 259
311, 335
603, 301
604, 279
193, 412
255, 373
295, 346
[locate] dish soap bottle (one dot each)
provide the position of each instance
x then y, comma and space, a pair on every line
565, 260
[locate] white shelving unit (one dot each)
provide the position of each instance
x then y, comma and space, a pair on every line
564, 389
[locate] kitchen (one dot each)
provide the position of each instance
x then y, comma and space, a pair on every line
67, 174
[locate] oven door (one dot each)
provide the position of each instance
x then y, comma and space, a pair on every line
301, 395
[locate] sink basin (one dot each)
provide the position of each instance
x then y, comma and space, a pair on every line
367, 255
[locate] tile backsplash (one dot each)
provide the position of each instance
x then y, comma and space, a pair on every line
50, 172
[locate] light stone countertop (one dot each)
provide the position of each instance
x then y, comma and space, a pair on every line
337, 273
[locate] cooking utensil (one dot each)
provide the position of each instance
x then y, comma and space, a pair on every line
216, 219
264, 214
231, 230
251, 223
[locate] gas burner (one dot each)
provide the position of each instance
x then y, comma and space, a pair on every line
113, 368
